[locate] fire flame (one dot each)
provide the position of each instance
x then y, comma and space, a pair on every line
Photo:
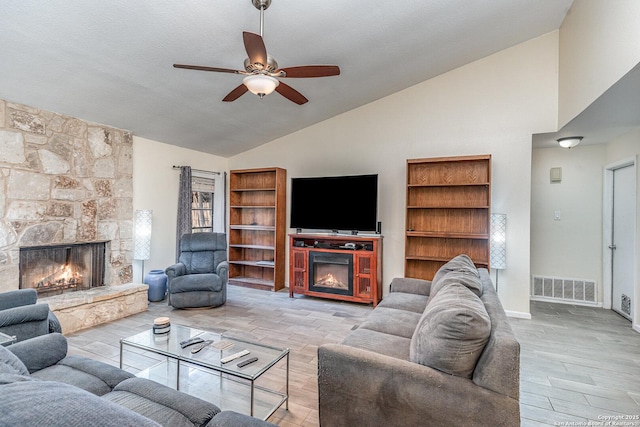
66, 276
330, 281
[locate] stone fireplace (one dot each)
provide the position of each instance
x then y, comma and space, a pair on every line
63, 182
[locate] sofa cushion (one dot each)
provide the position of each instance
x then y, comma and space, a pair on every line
209, 282
53, 404
41, 352
452, 332
91, 375
410, 285
234, 419
379, 342
461, 262
404, 301
10, 364
392, 321
26, 321
162, 404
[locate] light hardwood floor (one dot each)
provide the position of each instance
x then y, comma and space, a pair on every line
577, 363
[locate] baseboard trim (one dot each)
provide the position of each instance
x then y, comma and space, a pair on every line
518, 314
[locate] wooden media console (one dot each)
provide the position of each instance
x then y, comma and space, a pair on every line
341, 267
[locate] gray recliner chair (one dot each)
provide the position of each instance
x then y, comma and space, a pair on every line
21, 317
199, 279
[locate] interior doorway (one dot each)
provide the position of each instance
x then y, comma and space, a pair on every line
619, 229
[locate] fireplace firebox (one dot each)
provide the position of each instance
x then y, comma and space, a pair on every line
331, 273
56, 269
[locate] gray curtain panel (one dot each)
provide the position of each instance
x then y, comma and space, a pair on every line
184, 206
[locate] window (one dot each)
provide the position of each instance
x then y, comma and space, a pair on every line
202, 197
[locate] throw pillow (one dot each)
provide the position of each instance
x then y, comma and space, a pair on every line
464, 277
461, 262
452, 332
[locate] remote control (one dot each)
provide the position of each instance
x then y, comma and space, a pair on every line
234, 356
196, 348
190, 341
246, 362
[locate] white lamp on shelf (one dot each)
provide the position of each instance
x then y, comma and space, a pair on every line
142, 236
498, 243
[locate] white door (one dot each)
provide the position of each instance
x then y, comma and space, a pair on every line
622, 298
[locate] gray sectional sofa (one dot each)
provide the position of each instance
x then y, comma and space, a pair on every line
433, 353
41, 386
21, 316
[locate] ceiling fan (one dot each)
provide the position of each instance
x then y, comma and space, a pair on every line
261, 69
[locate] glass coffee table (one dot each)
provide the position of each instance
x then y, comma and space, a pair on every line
203, 375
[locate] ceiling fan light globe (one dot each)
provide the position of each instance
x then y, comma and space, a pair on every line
260, 84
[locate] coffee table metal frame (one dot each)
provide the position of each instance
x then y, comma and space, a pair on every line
6, 340
209, 358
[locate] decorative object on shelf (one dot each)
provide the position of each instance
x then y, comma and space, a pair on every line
498, 243
569, 141
142, 236
161, 325
157, 281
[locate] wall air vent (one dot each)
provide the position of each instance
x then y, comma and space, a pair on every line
559, 289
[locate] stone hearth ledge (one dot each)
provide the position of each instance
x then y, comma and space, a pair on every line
84, 309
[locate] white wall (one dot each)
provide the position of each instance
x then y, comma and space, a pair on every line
491, 106
572, 246
598, 45
155, 187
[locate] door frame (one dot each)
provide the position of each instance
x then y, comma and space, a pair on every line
607, 232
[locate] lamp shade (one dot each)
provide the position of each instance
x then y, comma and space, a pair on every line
498, 241
569, 141
260, 84
142, 235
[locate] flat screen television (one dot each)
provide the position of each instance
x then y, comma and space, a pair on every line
336, 203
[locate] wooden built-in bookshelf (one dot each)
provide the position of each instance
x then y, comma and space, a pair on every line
257, 221
447, 213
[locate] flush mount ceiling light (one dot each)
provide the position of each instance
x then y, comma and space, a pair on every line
569, 141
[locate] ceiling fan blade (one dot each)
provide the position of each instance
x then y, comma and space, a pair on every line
256, 50
291, 94
202, 68
236, 93
311, 71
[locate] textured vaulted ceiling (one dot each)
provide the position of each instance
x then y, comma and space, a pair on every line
110, 62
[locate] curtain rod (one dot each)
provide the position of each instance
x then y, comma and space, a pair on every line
198, 170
